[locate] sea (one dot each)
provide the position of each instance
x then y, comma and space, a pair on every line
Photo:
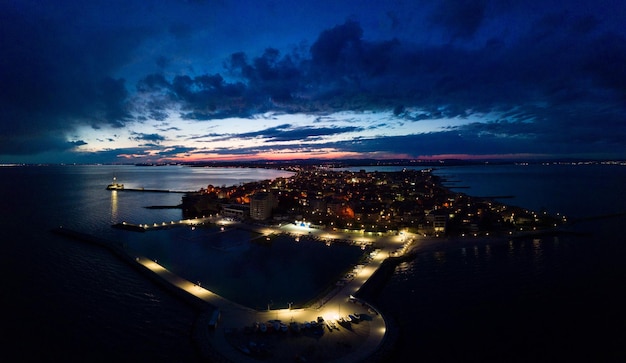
535, 299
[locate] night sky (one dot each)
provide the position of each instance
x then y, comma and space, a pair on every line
174, 80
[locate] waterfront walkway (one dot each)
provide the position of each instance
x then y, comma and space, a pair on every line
345, 344
351, 342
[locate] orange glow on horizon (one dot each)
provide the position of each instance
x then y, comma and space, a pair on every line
331, 155
284, 156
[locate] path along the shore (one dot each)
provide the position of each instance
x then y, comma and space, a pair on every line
347, 342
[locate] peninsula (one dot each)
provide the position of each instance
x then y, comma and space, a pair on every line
392, 214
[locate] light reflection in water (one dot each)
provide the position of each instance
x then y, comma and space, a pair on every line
114, 207
538, 255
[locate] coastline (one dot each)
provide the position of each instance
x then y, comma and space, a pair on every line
367, 291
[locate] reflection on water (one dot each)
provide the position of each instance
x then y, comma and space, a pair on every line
554, 290
114, 207
537, 249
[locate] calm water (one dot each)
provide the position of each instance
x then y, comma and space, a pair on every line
548, 299
577, 191
524, 300
71, 302
253, 274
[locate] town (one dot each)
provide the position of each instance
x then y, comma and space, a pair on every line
384, 202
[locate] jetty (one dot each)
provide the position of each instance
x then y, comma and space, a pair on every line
146, 190
119, 187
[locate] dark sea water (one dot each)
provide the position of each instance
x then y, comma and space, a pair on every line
65, 301
547, 299
253, 274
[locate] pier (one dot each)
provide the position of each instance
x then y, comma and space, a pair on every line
151, 190
163, 225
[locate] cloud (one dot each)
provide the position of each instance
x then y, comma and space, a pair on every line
138, 136
287, 132
176, 150
55, 73
36, 143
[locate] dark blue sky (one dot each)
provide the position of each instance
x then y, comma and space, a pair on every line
133, 81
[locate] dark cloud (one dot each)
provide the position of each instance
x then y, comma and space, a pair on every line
147, 137
54, 73
113, 95
176, 151
287, 132
336, 49
203, 97
171, 128
36, 143
534, 79
269, 132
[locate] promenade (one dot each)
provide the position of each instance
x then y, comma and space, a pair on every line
352, 342
346, 342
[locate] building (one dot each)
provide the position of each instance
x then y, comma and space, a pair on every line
261, 205
196, 204
235, 211
439, 223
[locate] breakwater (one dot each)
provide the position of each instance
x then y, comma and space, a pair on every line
370, 289
152, 190
119, 250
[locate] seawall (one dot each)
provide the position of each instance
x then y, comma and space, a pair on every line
118, 249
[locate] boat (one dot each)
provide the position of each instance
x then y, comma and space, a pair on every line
115, 185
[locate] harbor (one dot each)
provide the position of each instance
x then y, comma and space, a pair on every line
329, 323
